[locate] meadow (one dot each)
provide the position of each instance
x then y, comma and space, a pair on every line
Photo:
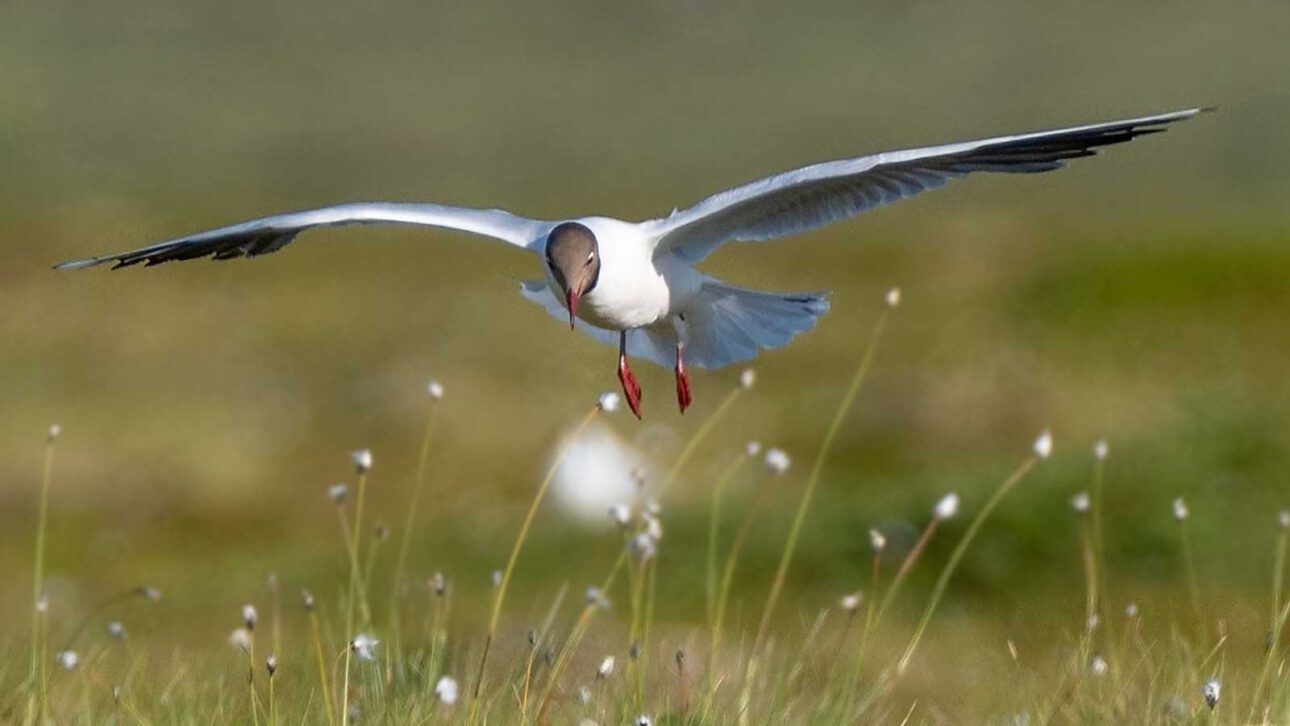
206, 409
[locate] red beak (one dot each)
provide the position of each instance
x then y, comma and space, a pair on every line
571, 302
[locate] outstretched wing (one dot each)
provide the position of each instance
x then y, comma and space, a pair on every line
818, 195
270, 234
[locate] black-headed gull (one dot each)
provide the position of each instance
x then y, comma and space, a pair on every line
638, 277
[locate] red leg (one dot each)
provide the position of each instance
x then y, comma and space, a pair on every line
683, 396
631, 389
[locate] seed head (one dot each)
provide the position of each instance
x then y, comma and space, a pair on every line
54, 432
435, 390
584, 697
747, 378
495, 578
653, 527
752, 449
250, 617
877, 542
851, 603
1044, 445
1100, 450
307, 599
271, 664
1212, 690
240, 639
653, 507
381, 532
364, 646
947, 507
634, 650
148, 592
1180, 509
893, 297
362, 460
608, 402
42, 603
446, 690
1092, 622
68, 659
116, 631
777, 462
1283, 519
438, 584
643, 720
595, 597
621, 514
643, 547
1131, 610
338, 493
606, 668
1099, 666
1080, 502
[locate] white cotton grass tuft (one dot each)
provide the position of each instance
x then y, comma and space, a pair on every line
240, 639
1101, 449
609, 402
947, 507
362, 460
495, 579
752, 449
595, 475
1180, 510
116, 631
1283, 518
620, 514
596, 598
606, 668
338, 493
1212, 691
271, 664
53, 433
877, 542
42, 603
892, 298
1099, 666
1081, 502
777, 462
747, 378
364, 646
643, 547
445, 689
1131, 610
851, 602
434, 389
68, 659
1044, 445
250, 617
643, 720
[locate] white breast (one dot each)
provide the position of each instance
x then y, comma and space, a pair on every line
632, 290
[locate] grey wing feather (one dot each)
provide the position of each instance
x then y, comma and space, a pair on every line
270, 234
814, 196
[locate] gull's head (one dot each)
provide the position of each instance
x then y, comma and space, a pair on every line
574, 259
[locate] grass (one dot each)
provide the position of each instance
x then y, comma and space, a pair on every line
838, 666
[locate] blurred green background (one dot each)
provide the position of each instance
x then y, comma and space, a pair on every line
1139, 296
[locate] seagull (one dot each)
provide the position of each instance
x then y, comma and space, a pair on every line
635, 284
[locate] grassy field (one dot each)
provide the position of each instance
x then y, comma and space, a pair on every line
1136, 298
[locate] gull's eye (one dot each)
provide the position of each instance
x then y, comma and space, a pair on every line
591, 257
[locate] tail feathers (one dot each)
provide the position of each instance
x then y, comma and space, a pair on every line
728, 325
722, 325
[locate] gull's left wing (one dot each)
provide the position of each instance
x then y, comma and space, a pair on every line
270, 234
814, 196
